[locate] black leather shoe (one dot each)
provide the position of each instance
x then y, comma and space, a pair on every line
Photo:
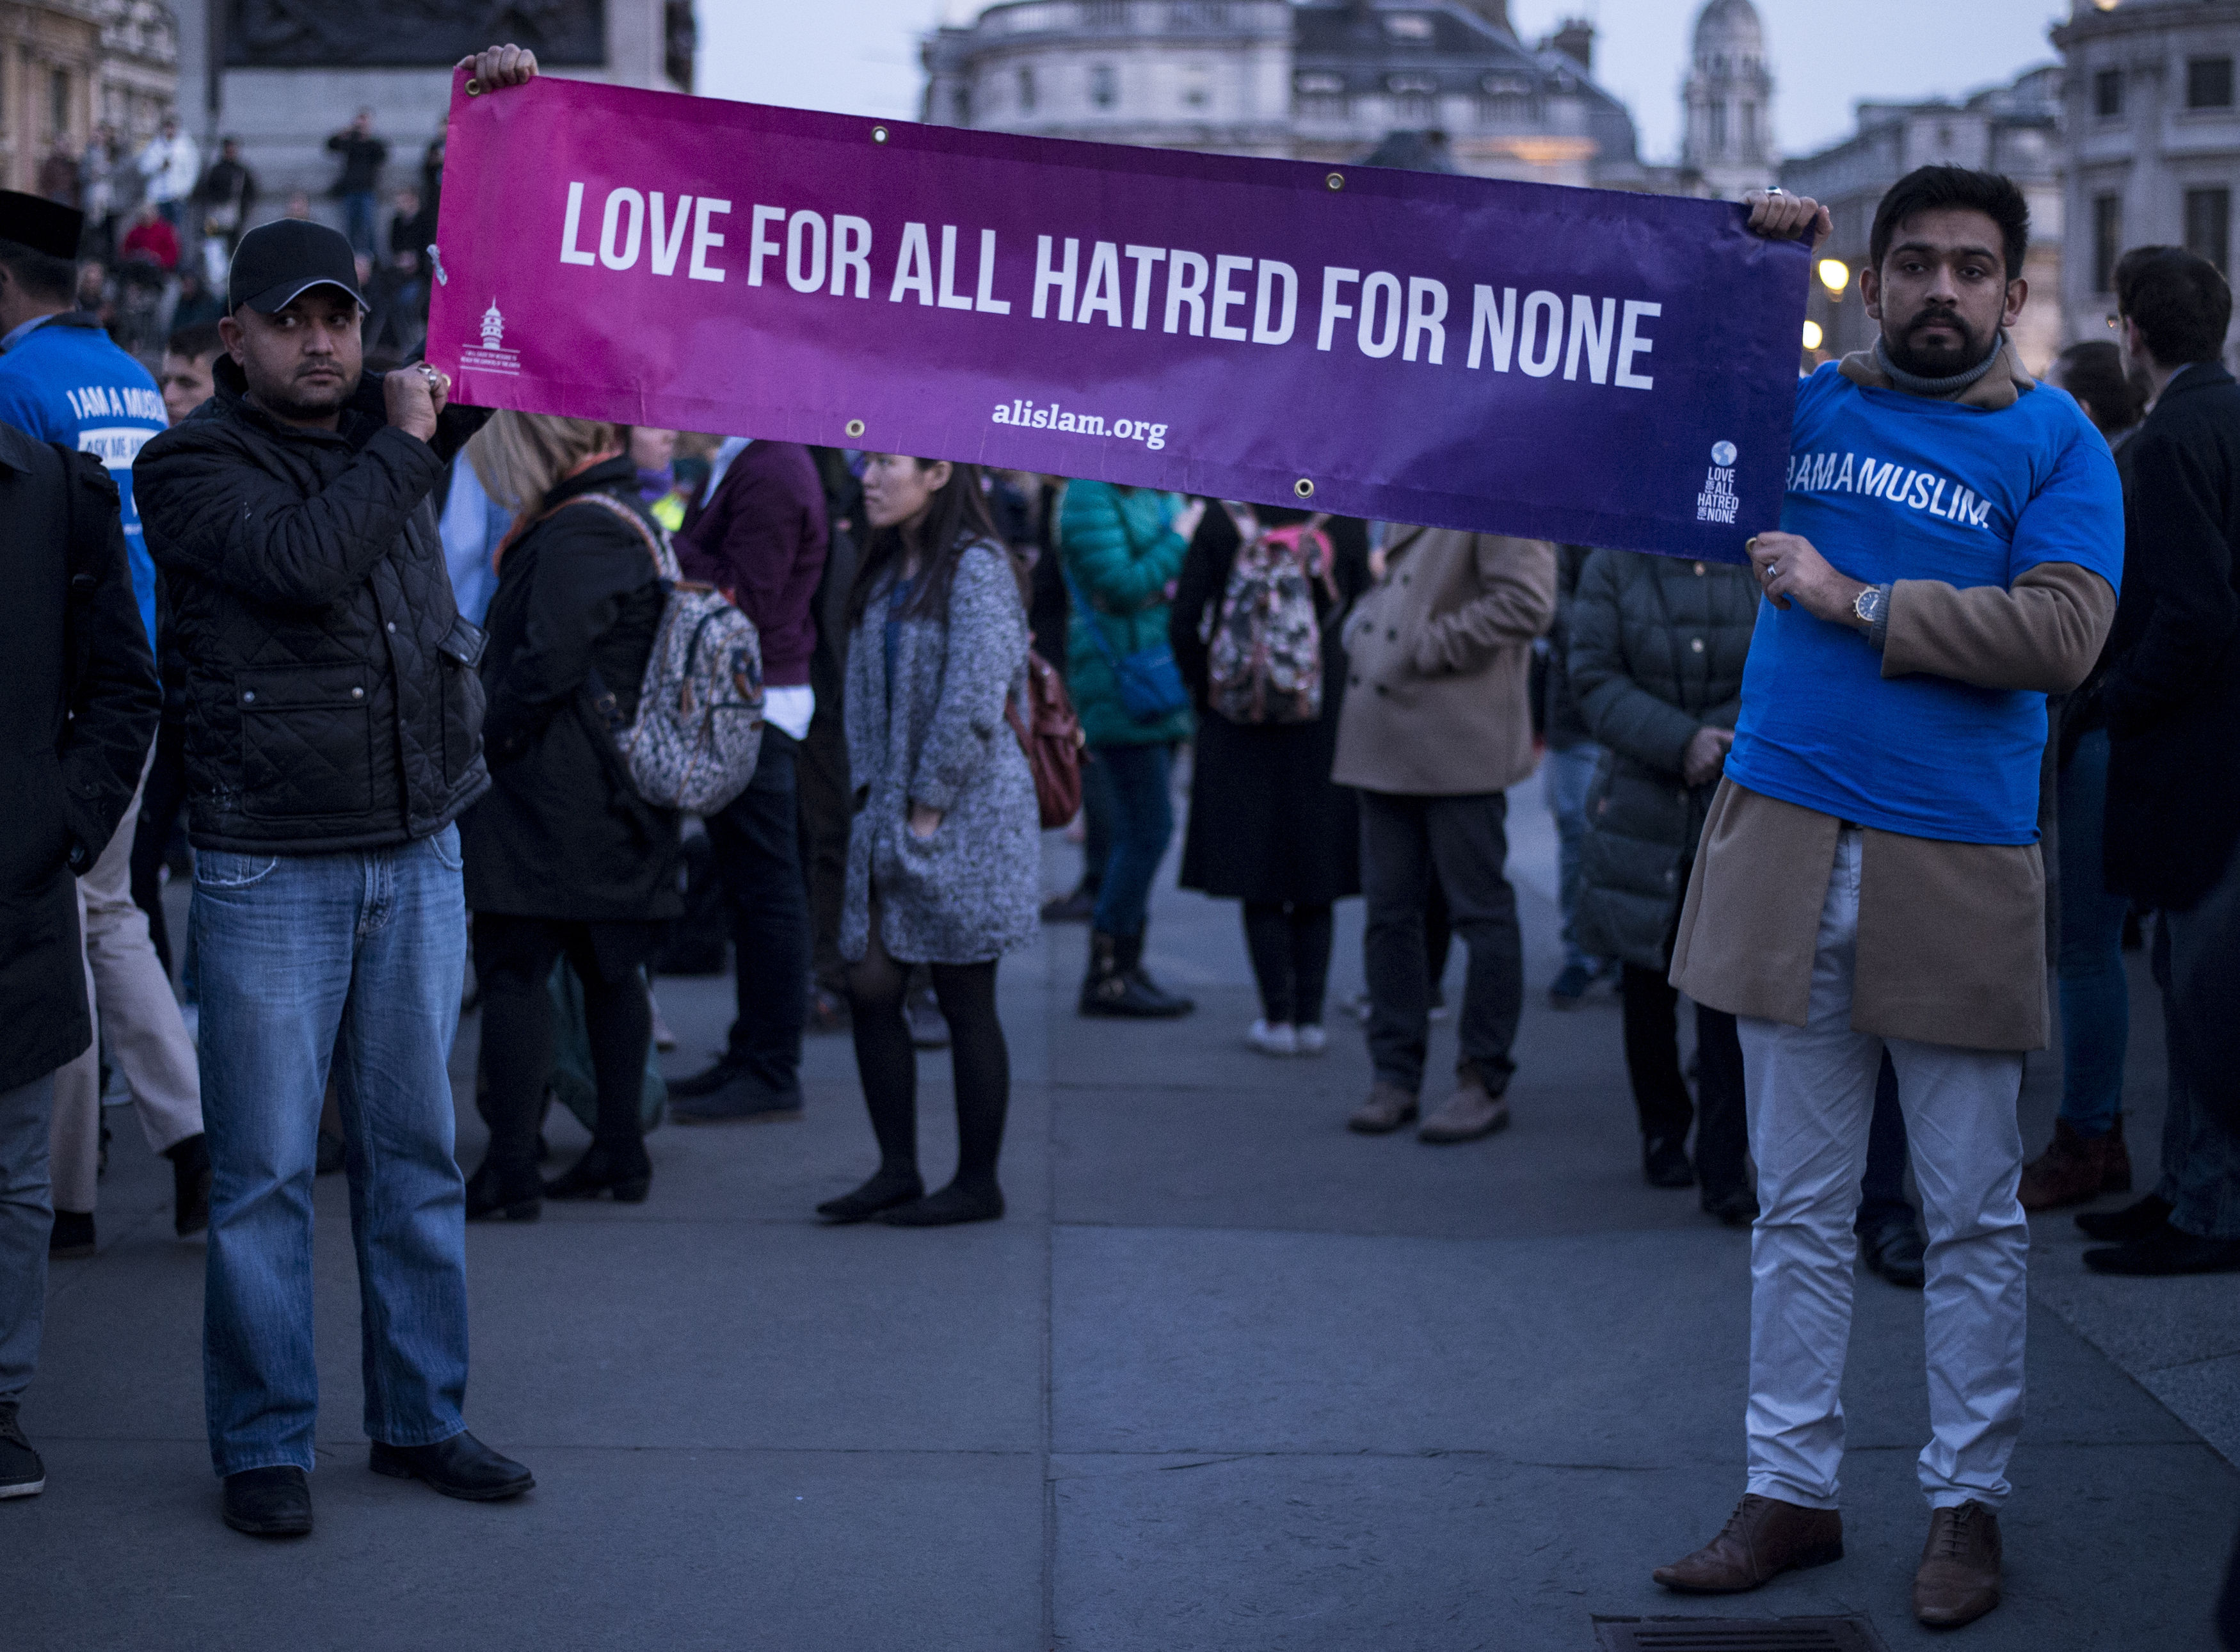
270, 1502
460, 1467
517, 1197
1664, 1163
883, 1192
706, 1081
190, 1184
72, 1235
1736, 1208
2167, 1251
946, 1208
2135, 1220
742, 1099
1898, 1254
628, 1176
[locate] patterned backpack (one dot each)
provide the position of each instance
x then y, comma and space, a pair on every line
699, 727
1265, 658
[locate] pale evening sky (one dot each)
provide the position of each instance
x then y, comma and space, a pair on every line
860, 56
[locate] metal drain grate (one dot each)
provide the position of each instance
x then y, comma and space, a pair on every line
1737, 1634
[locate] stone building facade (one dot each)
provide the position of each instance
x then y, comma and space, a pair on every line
2014, 129
285, 75
1321, 80
67, 66
2152, 141
1728, 104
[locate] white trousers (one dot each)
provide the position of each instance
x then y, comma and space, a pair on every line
130, 998
1811, 1092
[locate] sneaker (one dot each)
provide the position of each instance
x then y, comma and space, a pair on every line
1278, 1040
22, 1474
928, 1029
1568, 989
1312, 1040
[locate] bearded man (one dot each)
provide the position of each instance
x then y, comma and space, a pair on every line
1870, 877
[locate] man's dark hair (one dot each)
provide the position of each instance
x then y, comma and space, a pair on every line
2179, 300
1926, 189
201, 339
2093, 373
39, 273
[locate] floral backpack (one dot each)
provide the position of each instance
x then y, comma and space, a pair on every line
699, 728
1264, 652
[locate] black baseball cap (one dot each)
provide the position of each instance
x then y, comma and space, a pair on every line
277, 263
43, 225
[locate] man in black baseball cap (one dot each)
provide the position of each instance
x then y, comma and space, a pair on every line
334, 738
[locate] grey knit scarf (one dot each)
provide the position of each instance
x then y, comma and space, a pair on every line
1915, 384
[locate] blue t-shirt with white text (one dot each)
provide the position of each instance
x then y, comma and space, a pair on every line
1890, 486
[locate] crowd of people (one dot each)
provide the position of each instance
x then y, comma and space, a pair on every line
384, 649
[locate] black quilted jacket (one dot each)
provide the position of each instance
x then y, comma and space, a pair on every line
332, 702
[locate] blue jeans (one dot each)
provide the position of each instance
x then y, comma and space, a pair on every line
1566, 776
2096, 1000
1142, 824
353, 958
27, 1222
358, 218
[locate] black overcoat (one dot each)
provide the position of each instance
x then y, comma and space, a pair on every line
561, 834
1266, 823
72, 763
2171, 698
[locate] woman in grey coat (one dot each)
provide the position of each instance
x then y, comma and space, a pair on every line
1657, 647
943, 854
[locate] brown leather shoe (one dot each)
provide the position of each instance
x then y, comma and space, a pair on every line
1763, 1538
2076, 1170
1388, 1107
1959, 1577
1470, 1112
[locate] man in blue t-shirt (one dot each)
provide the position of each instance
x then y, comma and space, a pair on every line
1870, 880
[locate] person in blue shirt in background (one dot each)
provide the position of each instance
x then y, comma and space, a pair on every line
1870, 880
63, 381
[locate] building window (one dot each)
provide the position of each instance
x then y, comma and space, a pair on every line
2107, 240
1199, 13
1502, 109
960, 105
2209, 82
1323, 106
2108, 94
2208, 225
1197, 91
1103, 85
1104, 14
1750, 128
1408, 26
1027, 90
1718, 142
59, 101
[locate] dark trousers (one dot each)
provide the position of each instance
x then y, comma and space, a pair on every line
161, 796
1660, 1092
514, 959
757, 842
1882, 1189
1290, 948
1142, 825
822, 779
1096, 809
1405, 839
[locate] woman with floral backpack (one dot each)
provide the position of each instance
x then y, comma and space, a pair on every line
1262, 594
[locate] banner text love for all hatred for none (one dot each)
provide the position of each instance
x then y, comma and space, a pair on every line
1584, 365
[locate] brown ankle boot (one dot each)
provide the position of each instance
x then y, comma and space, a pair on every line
1959, 1577
1763, 1538
2073, 1169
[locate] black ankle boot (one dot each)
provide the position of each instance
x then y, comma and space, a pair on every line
625, 1174
1117, 986
1664, 1163
1131, 959
190, 1184
516, 1193
883, 1192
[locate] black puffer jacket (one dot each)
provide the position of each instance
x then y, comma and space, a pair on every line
72, 757
561, 833
1657, 649
331, 698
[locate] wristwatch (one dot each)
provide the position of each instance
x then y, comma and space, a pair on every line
1872, 608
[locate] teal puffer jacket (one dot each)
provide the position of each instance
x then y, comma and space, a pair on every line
1122, 553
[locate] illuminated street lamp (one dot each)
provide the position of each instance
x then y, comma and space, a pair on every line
1835, 276
1812, 335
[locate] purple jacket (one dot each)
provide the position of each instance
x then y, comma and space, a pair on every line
762, 539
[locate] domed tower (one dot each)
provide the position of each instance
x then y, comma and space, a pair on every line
1728, 101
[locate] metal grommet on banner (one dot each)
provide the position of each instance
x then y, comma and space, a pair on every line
855, 427
878, 135
475, 88
1336, 180
1304, 488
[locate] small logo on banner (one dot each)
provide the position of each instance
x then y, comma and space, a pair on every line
492, 357
1716, 502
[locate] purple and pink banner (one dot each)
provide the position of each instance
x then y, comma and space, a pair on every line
1574, 364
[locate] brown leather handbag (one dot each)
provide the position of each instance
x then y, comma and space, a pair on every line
1050, 737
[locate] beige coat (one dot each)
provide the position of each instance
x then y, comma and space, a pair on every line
1439, 658
1952, 939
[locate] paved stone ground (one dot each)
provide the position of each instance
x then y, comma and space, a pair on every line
1227, 1378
